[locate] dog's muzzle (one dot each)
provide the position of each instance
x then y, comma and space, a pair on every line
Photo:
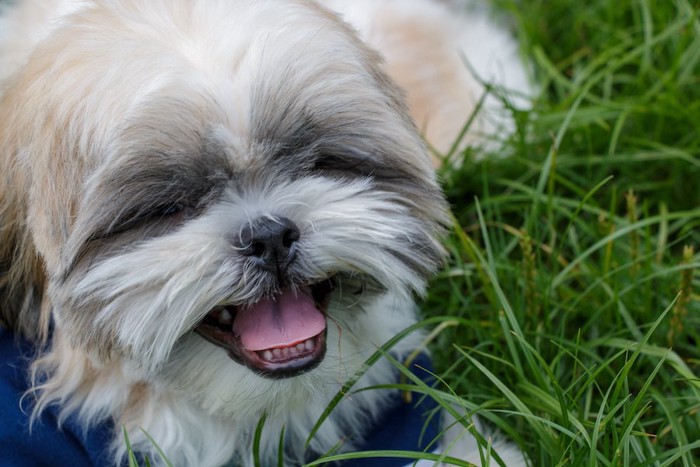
279, 336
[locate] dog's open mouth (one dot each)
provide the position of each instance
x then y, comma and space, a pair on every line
277, 337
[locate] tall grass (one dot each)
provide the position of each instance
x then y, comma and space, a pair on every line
573, 261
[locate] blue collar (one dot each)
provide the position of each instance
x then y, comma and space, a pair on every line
47, 444
406, 426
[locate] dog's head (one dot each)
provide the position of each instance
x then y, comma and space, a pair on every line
215, 195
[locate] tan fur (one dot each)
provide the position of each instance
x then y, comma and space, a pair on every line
422, 57
443, 54
49, 206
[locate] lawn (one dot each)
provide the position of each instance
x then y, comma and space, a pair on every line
570, 305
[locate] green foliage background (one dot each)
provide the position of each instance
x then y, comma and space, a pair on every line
573, 267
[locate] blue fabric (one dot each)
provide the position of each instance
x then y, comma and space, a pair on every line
407, 426
404, 426
46, 444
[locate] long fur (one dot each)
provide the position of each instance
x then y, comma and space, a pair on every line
117, 113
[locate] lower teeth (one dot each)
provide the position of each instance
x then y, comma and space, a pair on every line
286, 352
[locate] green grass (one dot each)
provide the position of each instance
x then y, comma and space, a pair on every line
573, 262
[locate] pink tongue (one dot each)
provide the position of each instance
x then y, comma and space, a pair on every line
286, 320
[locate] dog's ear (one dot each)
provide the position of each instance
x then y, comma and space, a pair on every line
22, 277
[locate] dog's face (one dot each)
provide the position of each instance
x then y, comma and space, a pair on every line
222, 201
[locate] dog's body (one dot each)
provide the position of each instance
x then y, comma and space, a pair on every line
213, 210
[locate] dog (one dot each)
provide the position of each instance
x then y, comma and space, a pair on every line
215, 212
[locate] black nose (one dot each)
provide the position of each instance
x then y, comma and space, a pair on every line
271, 242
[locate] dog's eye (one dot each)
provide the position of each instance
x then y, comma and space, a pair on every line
175, 212
167, 211
343, 166
172, 209
162, 216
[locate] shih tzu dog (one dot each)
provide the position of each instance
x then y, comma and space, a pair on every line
217, 210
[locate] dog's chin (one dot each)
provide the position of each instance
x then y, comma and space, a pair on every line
279, 336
